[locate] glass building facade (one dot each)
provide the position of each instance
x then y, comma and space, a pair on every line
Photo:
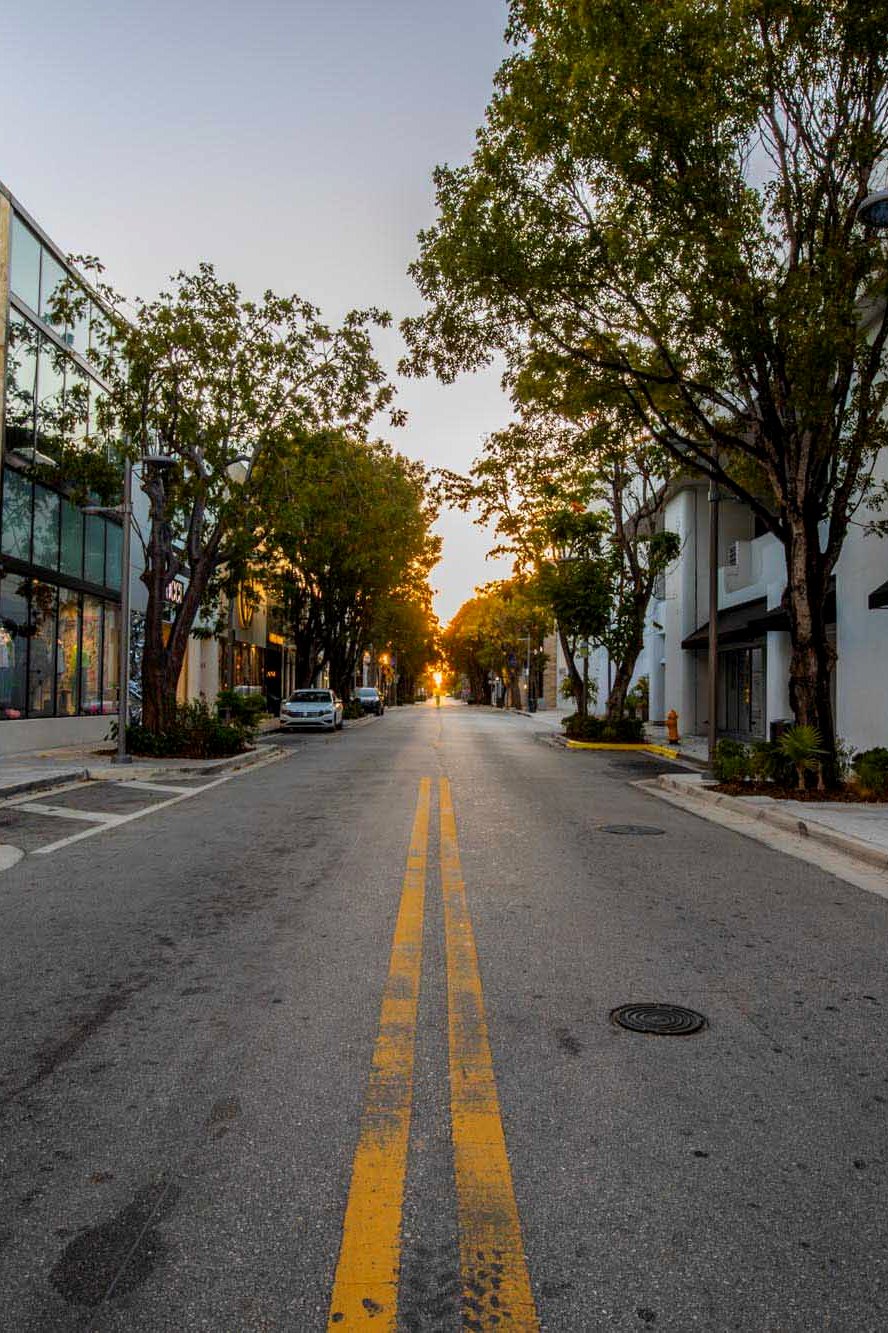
59, 567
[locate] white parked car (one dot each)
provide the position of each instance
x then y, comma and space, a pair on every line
312, 708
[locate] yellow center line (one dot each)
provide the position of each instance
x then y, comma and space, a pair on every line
496, 1288
365, 1290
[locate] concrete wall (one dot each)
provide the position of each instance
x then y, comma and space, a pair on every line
50, 733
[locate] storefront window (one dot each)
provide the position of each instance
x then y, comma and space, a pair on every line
42, 658
13, 647
21, 379
111, 673
24, 273
68, 664
15, 539
91, 656
94, 549
46, 528
71, 561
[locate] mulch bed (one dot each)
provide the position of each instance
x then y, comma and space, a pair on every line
843, 795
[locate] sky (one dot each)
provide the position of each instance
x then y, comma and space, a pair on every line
291, 143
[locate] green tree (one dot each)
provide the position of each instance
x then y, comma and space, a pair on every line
213, 383
341, 525
663, 201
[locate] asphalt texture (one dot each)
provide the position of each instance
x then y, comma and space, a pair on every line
191, 999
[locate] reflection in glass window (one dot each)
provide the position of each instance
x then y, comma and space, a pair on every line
45, 550
111, 673
21, 379
68, 664
91, 656
24, 273
15, 525
13, 647
52, 281
94, 549
77, 335
113, 554
71, 561
51, 419
42, 657
76, 403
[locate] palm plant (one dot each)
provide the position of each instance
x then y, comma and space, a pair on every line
803, 747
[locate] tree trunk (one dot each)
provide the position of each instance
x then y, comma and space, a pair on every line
812, 656
576, 680
631, 651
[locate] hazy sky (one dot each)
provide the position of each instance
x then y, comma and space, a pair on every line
291, 144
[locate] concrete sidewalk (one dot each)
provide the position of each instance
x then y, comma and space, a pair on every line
44, 769
858, 830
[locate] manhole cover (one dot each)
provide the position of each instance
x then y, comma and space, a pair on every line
662, 1020
636, 830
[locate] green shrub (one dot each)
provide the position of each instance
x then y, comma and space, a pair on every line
768, 763
195, 733
625, 731
731, 762
352, 710
246, 709
871, 767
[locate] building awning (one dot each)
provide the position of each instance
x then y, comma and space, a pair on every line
778, 617
734, 625
879, 597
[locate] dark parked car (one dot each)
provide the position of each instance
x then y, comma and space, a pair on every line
370, 699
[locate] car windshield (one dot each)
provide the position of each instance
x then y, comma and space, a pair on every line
310, 697
366, 694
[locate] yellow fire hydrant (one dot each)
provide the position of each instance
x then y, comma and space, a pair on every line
672, 726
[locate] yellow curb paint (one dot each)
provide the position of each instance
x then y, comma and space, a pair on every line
365, 1289
496, 1288
608, 745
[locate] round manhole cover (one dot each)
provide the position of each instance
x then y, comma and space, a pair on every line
661, 1020
633, 830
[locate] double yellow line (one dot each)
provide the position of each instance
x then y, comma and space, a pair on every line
495, 1284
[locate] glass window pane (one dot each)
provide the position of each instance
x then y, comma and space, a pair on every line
78, 329
21, 380
71, 562
91, 656
15, 538
13, 647
24, 274
51, 418
45, 551
111, 673
113, 554
41, 663
94, 551
68, 665
52, 279
76, 403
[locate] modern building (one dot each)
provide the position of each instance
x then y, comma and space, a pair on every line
59, 568
753, 630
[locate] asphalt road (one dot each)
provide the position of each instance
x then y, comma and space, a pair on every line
301, 1049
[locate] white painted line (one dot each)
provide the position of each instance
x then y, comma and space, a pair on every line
151, 809
155, 786
9, 855
68, 812
31, 796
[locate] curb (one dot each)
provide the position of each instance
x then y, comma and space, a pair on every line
630, 746
839, 842
44, 784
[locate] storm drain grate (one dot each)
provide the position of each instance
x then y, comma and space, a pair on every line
661, 1020
632, 830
